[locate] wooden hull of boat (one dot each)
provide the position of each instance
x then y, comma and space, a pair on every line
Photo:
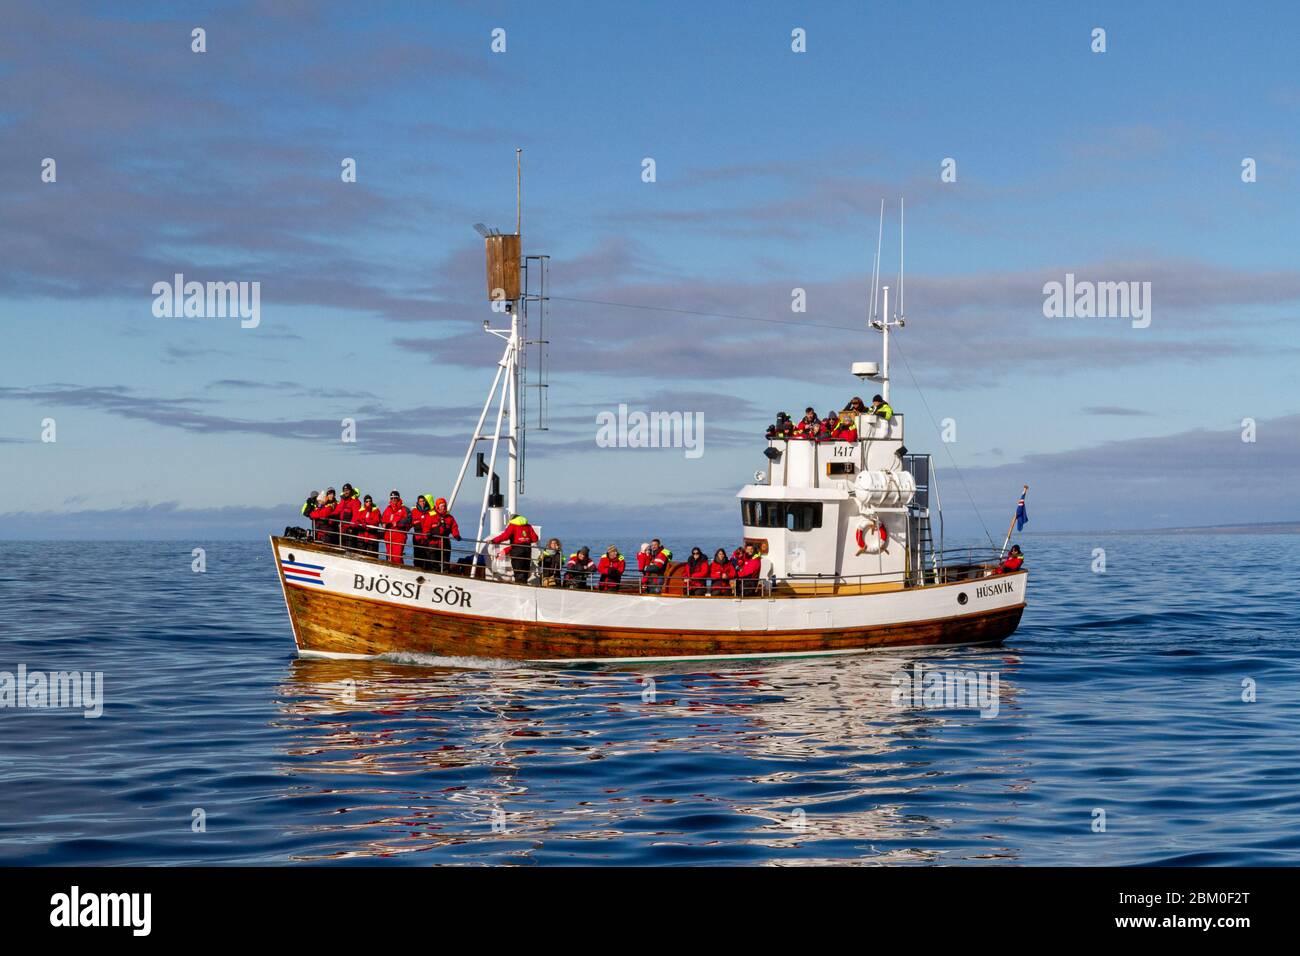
331, 624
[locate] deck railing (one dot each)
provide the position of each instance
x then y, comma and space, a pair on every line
953, 565
467, 557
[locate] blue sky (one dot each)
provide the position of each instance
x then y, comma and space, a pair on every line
1117, 166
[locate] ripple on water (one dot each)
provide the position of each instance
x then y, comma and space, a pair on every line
1121, 693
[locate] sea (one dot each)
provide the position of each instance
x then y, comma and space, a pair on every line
1145, 713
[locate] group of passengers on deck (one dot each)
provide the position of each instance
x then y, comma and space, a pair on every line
353, 521
836, 426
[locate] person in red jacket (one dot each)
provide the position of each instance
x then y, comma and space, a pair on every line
442, 529
827, 431
721, 573
346, 515
846, 429
367, 525
421, 517
396, 521
652, 561
808, 426
749, 571
1012, 562
521, 537
697, 572
322, 518
611, 568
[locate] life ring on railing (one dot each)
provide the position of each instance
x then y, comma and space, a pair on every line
871, 534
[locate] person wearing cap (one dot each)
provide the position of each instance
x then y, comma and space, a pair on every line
577, 571
442, 528
346, 515
880, 407
323, 520
611, 568
827, 430
369, 519
521, 537
846, 429
396, 521
421, 518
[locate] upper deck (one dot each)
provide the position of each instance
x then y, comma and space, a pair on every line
806, 463
837, 509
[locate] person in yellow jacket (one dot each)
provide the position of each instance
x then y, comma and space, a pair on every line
881, 407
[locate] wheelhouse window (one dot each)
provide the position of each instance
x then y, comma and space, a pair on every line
791, 515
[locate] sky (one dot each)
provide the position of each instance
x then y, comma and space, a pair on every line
1124, 165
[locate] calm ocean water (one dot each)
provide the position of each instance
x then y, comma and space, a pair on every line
1121, 692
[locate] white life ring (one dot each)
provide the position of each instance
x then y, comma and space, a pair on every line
870, 534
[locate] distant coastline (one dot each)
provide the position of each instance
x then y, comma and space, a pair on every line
1261, 527
699, 535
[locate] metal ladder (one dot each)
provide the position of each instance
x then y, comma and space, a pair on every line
922, 542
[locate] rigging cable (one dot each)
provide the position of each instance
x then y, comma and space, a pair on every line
710, 315
815, 325
960, 476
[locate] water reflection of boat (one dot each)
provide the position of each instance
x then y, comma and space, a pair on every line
416, 758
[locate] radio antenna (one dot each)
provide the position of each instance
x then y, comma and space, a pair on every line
900, 257
875, 268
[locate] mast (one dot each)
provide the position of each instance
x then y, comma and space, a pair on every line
512, 478
884, 331
515, 284
881, 321
504, 285
512, 400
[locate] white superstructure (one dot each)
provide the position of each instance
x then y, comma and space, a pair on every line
817, 511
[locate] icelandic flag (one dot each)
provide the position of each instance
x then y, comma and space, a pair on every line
1022, 517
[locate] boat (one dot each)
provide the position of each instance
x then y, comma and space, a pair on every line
849, 535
